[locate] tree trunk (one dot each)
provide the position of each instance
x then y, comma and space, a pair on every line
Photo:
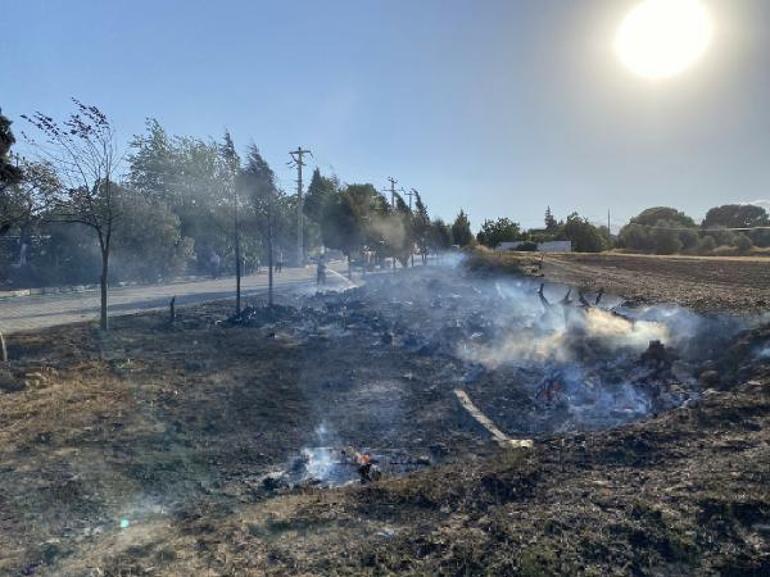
103, 323
270, 264
237, 270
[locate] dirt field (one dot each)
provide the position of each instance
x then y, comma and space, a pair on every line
152, 450
705, 284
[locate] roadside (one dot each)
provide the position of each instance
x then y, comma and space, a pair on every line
43, 311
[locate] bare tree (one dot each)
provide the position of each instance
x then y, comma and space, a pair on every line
83, 152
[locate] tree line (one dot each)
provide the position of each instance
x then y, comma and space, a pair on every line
726, 229
173, 205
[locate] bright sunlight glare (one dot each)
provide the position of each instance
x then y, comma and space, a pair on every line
662, 38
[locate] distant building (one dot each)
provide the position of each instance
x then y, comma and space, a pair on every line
549, 246
555, 246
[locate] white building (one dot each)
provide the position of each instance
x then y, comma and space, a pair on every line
550, 246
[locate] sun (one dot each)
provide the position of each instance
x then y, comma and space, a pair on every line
662, 38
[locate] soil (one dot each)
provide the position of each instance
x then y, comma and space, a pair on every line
705, 284
145, 451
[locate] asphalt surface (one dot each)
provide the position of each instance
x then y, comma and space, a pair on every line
26, 313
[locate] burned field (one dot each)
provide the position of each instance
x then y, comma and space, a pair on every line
234, 446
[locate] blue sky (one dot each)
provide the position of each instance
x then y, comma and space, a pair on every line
500, 107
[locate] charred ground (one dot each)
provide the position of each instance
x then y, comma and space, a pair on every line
146, 451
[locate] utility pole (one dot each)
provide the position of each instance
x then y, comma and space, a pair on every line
392, 182
410, 194
609, 230
298, 161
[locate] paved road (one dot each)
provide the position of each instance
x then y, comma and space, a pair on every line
41, 311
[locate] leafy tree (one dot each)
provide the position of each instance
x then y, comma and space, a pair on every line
706, 245
585, 236
83, 152
461, 230
26, 200
194, 179
736, 216
740, 216
743, 243
721, 236
440, 235
660, 230
689, 239
665, 239
550, 222
9, 172
651, 216
149, 245
493, 232
341, 227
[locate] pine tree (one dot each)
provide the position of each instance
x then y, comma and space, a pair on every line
550, 222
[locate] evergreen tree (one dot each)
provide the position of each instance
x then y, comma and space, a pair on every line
461, 230
258, 180
422, 226
550, 222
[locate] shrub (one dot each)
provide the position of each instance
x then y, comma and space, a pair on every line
706, 245
743, 243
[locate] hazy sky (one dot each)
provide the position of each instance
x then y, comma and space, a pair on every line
498, 106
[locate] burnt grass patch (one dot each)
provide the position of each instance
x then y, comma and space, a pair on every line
146, 451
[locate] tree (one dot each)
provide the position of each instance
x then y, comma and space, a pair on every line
422, 226
666, 240
736, 216
149, 245
651, 216
258, 180
231, 167
319, 192
706, 245
635, 236
585, 236
401, 232
440, 235
743, 243
550, 222
493, 232
740, 216
661, 230
83, 152
194, 179
461, 230
341, 227
24, 201
9, 172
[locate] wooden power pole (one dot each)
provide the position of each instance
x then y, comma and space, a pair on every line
298, 161
392, 182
